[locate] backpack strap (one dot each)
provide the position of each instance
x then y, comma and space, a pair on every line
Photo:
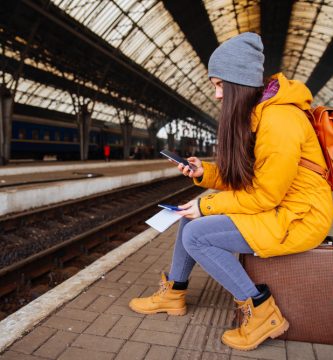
314, 167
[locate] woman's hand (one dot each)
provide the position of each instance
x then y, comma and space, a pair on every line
192, 173
190, 210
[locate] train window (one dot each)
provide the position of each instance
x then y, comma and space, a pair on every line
22, 134
35, 134
66, 136
57, 136
46, 135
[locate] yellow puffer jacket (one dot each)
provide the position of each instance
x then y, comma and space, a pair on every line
290, 208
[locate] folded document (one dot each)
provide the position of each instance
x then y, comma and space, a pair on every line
163, 219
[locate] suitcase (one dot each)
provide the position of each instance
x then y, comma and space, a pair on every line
302, 286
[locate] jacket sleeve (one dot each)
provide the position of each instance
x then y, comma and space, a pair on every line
278, 151
211, 178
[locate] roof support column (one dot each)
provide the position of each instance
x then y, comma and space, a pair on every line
84, 124
126, 129
6, 116
152, 131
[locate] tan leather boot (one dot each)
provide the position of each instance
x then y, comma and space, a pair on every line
262, 319
165, 299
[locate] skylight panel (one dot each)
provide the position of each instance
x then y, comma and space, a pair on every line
310, 31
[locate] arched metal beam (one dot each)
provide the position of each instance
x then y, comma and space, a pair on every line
194, 22
275, 16
322, 72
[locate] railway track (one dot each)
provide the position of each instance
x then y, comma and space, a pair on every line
43, 247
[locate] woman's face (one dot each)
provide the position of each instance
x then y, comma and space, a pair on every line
218, 84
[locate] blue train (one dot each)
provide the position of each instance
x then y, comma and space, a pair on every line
35, 138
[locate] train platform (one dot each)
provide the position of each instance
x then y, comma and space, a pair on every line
30, 186
88, 317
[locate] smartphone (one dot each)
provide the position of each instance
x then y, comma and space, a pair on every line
176, 158
169, 207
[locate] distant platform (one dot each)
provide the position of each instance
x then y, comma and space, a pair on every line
32, 186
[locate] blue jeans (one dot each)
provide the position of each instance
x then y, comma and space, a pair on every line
211, 241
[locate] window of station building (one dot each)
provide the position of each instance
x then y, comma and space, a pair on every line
35, 134
46, 135
57, 136
75, 137
22, 134
66, 136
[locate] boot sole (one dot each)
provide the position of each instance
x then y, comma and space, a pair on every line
274, 334
176, 312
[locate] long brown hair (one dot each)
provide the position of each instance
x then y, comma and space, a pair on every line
235, 148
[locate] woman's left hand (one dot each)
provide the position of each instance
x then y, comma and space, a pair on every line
190, 210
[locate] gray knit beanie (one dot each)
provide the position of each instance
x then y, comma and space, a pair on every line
239, 60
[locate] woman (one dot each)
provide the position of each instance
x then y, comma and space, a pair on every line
267, 204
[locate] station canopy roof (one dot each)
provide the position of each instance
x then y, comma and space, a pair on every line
169, 42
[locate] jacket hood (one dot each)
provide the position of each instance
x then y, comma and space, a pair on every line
291, 92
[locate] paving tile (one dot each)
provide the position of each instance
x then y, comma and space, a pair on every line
101, 304
122, 310
133, 350
56, 344
102, 325
76, 314
114, 274
275, 342
150, 290
130, 277
103, 283
214, 356
264, 352
132, 268
73, 353
114, 292
194, 337
187, 355
193, 300
323, 352
164, 326
98, 343
150, 275
185, 318
138, 256
82, 301
134, 291
159, 316
71, 325
150, 259
12, 355
125, 327
144, 280
33, 340
299, 350
197, 282
158, 338
157, 352
214, 343
236, 357
202, 316
122, 301
152, 251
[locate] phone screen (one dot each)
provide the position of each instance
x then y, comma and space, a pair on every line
170, 207
178, 159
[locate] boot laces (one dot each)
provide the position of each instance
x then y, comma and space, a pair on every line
247, 313
164, 286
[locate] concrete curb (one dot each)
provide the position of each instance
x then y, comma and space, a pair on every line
23, 320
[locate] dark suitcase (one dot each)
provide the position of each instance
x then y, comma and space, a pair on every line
302, 286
